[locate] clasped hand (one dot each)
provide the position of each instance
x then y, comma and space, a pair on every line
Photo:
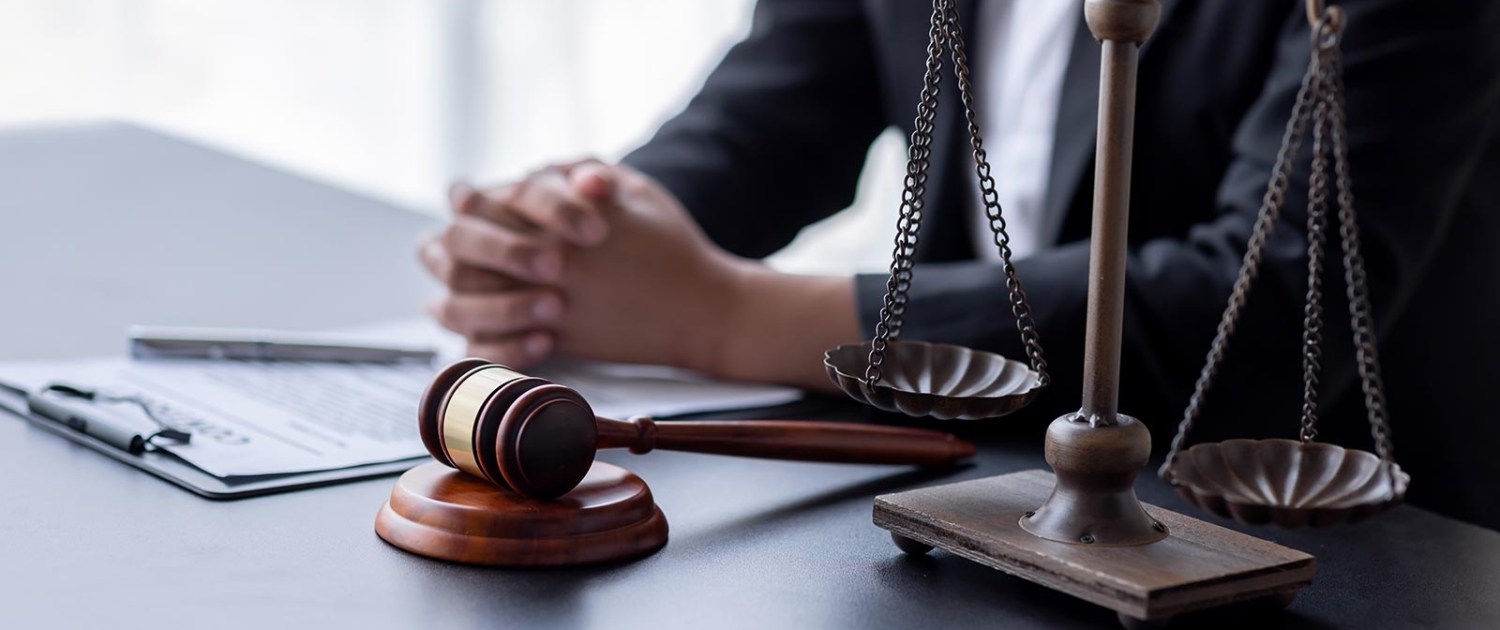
601, 262
583, 259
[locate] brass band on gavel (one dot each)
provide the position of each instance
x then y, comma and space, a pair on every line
461, 416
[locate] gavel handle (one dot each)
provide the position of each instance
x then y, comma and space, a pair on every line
787, 439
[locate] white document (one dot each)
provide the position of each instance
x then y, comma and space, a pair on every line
279, 417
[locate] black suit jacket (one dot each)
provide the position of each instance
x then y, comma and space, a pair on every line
777, 137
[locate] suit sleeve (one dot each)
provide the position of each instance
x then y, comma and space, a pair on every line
777, 136
1422, 92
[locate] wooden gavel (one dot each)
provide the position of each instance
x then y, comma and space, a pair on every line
539, 438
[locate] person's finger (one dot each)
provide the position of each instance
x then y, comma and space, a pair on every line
593, 180
567, 199
517, 351
474, 241
434, 256
497, 313
459, 277
495, 205
547, 199
568, 167
463, 197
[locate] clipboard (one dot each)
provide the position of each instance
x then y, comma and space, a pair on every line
100, 419
163, 465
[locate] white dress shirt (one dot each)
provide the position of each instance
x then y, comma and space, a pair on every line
1017, 83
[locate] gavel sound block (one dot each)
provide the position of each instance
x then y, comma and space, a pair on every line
515, 482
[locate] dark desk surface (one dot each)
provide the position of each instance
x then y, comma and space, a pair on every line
171, 233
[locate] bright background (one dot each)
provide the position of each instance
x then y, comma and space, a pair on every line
395, 98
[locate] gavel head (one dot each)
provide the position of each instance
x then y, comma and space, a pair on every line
519, 432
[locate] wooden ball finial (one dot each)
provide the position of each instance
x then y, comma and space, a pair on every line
1122, 20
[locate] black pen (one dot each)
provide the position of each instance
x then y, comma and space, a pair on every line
98, 426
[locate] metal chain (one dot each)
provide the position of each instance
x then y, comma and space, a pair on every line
1361, 319
1265, 223
908, 225
1018, 304
1317, 224
945, 29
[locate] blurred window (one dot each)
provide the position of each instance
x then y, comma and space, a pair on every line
393, 98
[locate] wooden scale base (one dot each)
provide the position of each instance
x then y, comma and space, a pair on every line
1199, 565
439, 512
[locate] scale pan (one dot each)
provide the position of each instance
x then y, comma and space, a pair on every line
1287, 482
934, 379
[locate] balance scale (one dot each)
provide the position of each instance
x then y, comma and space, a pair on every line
1080, 529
